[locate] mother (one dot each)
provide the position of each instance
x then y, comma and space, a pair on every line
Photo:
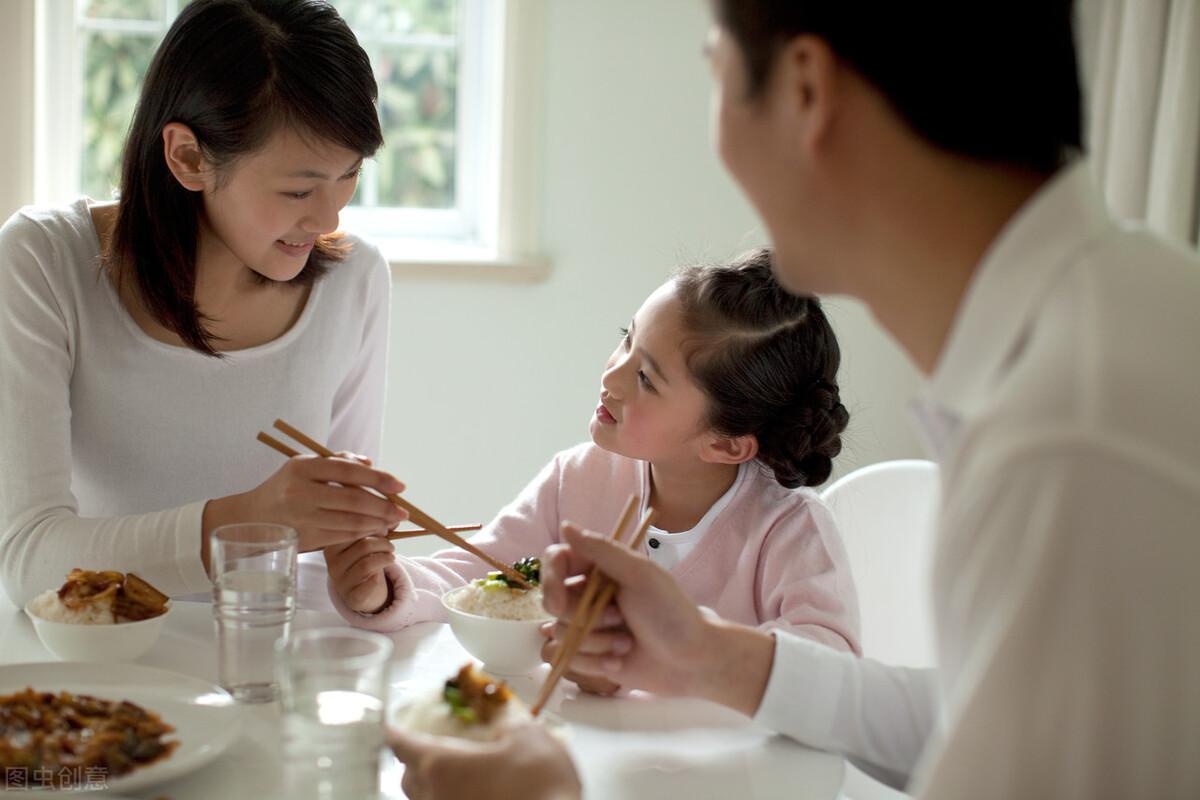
143, 343
922, 158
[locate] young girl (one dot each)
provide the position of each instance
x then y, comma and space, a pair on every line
719, 408
144, 343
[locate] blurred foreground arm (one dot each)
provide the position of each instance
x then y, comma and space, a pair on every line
526, 763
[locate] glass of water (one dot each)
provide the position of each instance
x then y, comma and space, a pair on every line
253, 568
333, 691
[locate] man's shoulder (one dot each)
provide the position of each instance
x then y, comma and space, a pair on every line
1110, 352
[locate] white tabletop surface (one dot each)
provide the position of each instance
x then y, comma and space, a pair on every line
637, 746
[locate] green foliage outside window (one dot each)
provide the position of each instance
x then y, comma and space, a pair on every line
417, 92
122, 9
115, 66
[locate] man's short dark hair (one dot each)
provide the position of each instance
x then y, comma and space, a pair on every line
995, 80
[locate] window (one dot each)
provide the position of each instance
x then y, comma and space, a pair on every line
433, 193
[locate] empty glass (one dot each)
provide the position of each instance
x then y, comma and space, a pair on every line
333, 691
253, 568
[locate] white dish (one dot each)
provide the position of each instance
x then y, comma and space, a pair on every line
205, 717
121, 641
505, 646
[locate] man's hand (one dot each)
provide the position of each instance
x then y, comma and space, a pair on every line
586, 683
653, 637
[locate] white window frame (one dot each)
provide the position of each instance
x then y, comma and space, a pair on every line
494, 222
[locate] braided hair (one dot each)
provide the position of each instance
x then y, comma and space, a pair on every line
767, 361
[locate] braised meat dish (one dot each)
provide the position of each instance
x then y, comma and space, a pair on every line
63, 734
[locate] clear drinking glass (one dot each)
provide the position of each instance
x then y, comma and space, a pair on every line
253, 568
333, 691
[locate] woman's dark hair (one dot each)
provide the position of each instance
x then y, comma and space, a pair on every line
997, 81
768, 362
234, 71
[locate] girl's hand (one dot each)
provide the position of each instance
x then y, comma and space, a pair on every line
526, 762
320, 498
357, 572
591, 684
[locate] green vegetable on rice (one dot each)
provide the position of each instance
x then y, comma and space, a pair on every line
529, 567
458, 706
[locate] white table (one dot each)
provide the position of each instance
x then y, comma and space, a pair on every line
637, 746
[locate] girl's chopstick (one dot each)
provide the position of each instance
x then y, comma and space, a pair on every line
588, 614
415, 514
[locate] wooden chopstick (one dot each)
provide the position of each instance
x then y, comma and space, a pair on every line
593, 582
272, 442
609, 589
415, 514
590, 615
393, 535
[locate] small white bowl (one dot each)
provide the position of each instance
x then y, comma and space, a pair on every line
505, 646
122, 641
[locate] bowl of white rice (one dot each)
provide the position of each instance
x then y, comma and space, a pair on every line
498, 625
92, 633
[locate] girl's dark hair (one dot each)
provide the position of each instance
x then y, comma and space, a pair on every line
234, 71
996, 81
768, 362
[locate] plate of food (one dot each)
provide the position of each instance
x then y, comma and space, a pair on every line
82, 727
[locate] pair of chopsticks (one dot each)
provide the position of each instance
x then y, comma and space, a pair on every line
415, 514
597, 594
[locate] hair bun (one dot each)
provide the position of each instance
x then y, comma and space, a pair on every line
823, 396
809, 436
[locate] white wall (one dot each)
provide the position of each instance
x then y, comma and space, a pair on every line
16, 105
489, 380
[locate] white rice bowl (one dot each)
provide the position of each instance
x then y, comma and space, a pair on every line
430, 714
502, 629
49, 607
91, 633
498, 603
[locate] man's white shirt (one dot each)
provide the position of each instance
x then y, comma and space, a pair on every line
1066, 578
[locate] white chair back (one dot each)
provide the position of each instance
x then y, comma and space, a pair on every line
886, 513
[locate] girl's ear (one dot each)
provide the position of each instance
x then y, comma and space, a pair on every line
183, 156
729, 449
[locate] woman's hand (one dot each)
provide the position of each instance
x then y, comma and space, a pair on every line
357, 572
526, 763
319, 497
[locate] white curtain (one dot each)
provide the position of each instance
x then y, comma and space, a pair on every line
1141, 68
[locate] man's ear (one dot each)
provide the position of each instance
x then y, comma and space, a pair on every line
729, 449
807, 72
184, 157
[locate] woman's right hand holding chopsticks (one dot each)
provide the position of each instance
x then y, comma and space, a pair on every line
320, 497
